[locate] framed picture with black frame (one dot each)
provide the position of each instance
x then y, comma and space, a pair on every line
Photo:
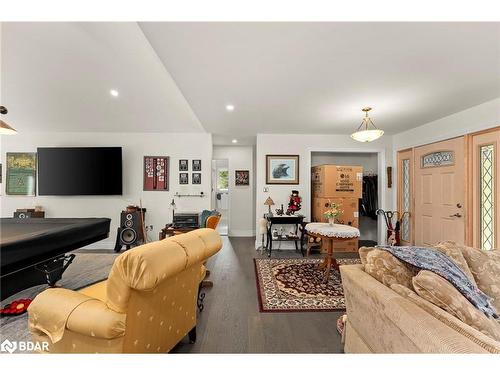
196, 179
197, 165
183, 178
242, 178
183, 165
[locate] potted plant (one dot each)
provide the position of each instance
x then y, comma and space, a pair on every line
333, 212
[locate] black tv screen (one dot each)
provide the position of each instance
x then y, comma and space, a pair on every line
80, 171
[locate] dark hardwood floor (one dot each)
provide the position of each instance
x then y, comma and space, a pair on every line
231, 321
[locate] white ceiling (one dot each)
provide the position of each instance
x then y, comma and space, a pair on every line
57, 77
315, 78
281, 77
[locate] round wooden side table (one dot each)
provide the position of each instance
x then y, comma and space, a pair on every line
328, 234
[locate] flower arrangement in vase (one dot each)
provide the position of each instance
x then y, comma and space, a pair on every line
333, 212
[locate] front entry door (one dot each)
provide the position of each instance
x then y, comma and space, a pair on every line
440, 192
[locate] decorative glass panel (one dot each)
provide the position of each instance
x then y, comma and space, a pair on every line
487, 198
438, 159
405, 233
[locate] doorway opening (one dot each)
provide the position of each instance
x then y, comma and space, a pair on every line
220, 193
359, 210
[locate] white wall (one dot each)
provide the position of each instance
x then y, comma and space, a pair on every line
368, 161
303, 145
480, 117
483, 116
241, 198
135, 146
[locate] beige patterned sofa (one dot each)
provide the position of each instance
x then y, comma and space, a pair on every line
392, 308
147, 304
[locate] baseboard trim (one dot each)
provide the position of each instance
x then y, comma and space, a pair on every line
101, 245
241, 233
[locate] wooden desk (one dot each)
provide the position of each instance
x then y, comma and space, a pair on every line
169, 231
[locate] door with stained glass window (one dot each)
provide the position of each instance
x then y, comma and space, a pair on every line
439, 189
486, 169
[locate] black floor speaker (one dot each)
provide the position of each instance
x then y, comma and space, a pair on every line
130, 232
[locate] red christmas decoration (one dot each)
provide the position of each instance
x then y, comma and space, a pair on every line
17, 307
294, 204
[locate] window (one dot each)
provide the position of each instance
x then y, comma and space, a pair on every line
405, 233
487, 196
222, 179
438, 159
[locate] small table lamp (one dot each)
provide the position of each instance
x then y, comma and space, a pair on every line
269, 202
173, 207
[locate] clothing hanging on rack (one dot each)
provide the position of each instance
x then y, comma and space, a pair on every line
369, 202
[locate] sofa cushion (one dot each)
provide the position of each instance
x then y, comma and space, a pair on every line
452, 250
485, 267
386, 268
486, 342
443, 294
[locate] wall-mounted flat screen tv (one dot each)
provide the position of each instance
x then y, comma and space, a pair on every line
79, 170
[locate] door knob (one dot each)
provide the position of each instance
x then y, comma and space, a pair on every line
456, 215
459, 205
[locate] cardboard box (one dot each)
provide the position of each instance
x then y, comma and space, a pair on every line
349, 206
337, 181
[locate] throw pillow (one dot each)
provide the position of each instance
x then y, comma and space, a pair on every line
363, 252
440, 292
485, 266
453, 251
387, 269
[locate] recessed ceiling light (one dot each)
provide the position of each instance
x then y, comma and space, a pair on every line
229, 107
234, 141
114, 93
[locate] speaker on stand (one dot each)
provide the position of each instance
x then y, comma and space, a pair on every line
131, 230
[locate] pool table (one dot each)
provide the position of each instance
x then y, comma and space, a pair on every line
33, 251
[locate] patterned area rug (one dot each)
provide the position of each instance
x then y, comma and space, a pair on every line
292, 285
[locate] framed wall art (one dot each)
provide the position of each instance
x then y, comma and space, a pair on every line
183, 165
196, 165
183, 178
156, 173
196, 179
242, 178
21, 173
282, 169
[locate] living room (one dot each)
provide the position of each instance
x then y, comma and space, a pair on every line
254, 187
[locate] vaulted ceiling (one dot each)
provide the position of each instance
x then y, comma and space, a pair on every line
281, 77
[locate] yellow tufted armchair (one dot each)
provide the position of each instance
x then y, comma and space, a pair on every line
147, 304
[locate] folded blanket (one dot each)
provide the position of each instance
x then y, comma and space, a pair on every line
439, 263
49, 318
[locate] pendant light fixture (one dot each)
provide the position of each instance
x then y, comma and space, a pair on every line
5, 129
367, 131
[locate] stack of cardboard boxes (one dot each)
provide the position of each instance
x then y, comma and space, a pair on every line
342, 185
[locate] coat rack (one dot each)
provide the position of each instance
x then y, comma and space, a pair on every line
201, 195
